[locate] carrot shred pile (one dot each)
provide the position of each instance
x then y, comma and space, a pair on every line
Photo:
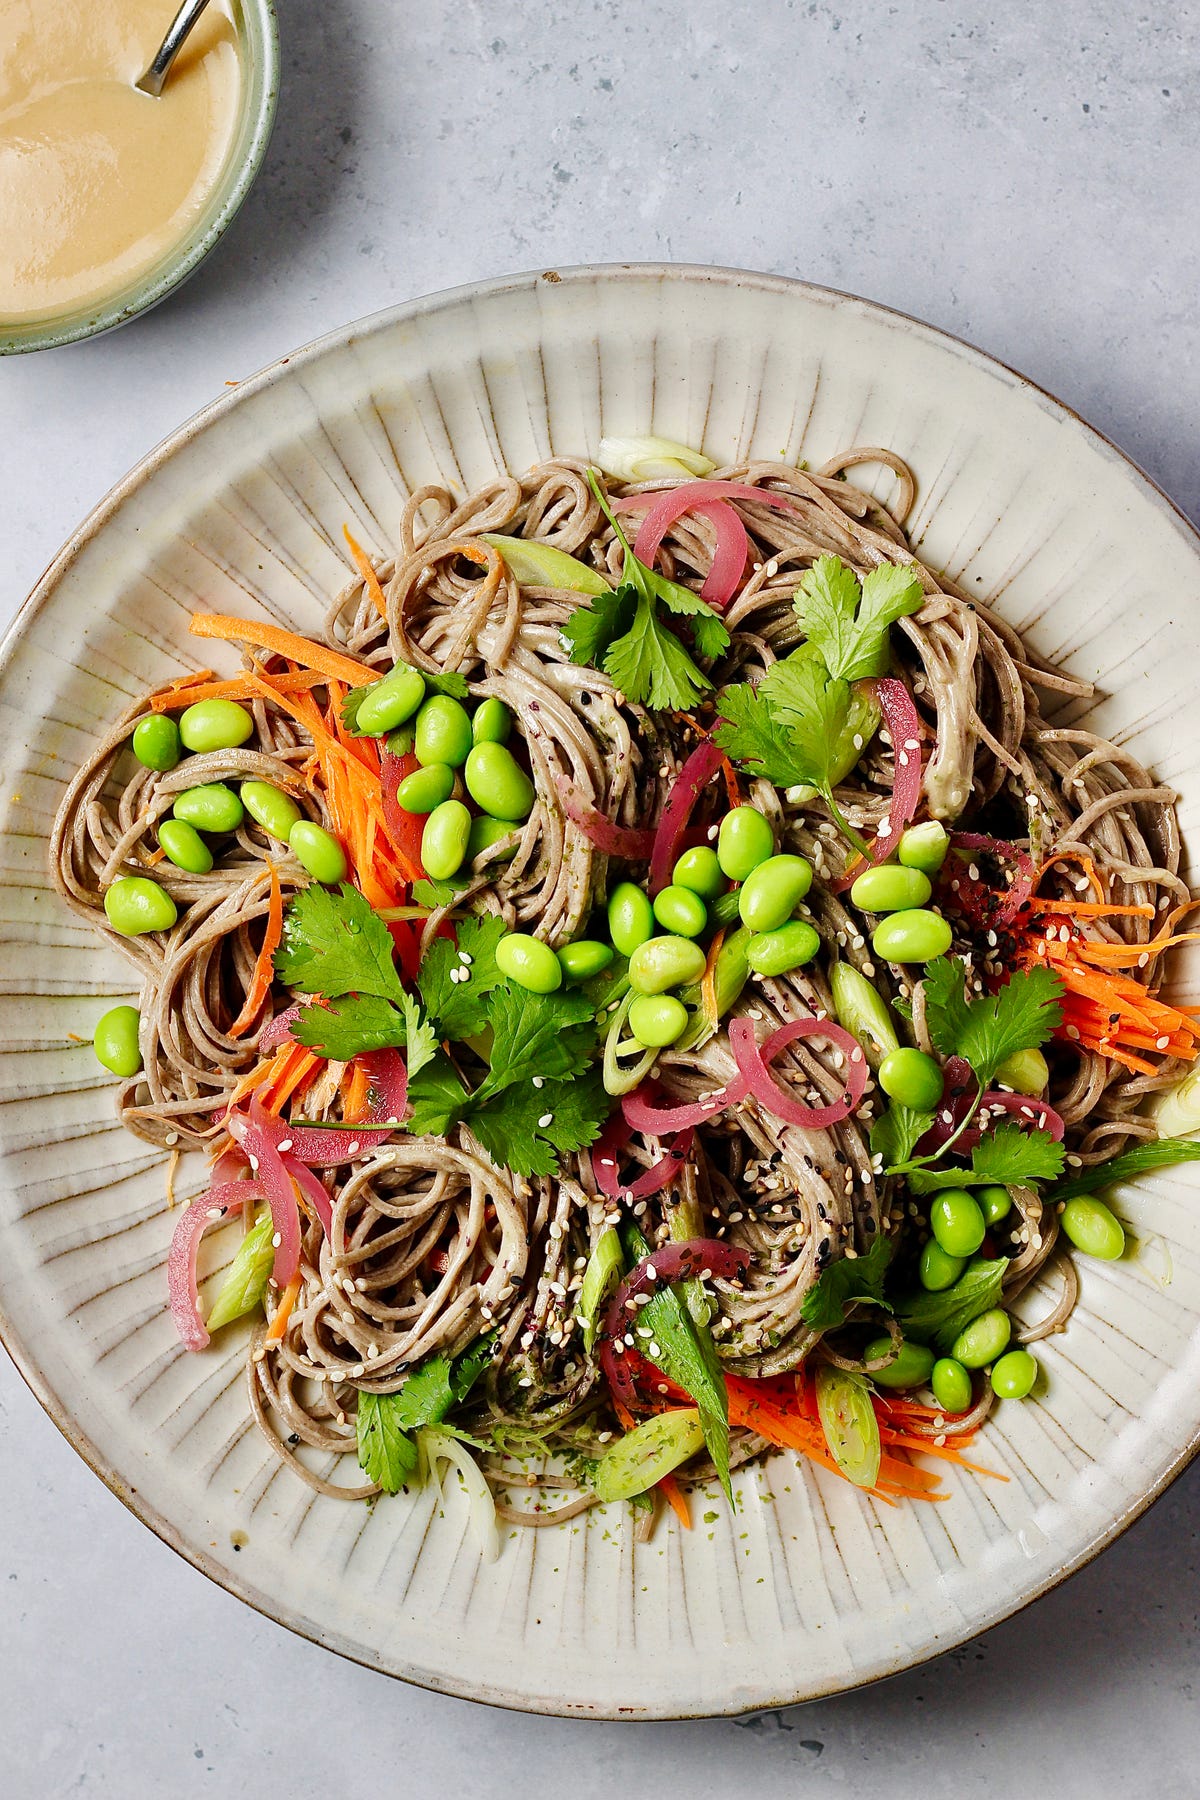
288, 644
1104, 1009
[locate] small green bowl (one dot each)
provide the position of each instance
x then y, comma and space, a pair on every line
258, 37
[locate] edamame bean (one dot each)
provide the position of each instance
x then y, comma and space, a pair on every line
951, 1385
995, 1203
492, 722
318, 851
956, 1221
790, 946
665, 962
528, 962
215, 725
657, 1020
497, 783
485, 832
937, 1269
910, 1368
585, 958
444, 840
924, 846
1014, 1375
772, 891
443, 732
912, 1078
983, 1340
863, 1011
213, 807
425, 788
390, 702
744, 840
677, 909
115, 1040
699, 870
724, 909
890, 889
135, 904
1025, 1072
270, 807
911, 937
630, 917
1093, 1229
156, 742
185, 847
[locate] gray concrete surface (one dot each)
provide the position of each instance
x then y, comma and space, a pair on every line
1023, 176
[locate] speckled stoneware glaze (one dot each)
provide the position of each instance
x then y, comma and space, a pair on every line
811, 1587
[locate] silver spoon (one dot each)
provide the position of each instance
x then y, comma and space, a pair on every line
152, 81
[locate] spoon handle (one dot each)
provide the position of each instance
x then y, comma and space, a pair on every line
152, 81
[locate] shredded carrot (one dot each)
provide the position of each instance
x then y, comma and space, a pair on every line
676, 1499
295, 1065
284, 643
180, 685
1085, 863
254, 1078
154, 857
238, 687
708, 983
264, 968
1108, 1011
283, 1312
366, 569
1090, 909
732, 785
356, 1094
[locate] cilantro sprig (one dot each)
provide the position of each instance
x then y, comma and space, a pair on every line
796, 729
988, 1028
387, 1453
625, 634
336, 947
845, 1281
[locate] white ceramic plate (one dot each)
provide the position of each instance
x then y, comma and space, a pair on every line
811, 1588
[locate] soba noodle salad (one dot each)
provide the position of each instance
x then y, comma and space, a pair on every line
654, 982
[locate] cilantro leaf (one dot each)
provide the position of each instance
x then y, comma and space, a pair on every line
436, 893
447, 681
334, 944
847, 620
897, 1132
349, 1025
591, 629
623, 634
1160, 1153
460, 1007
533, 1034
941, 1316
440, 1383
510, 1126
386, 1454
649, 665
851, 1278
986, 1030
420, 1039
1008, 1156
437, 1098
814, 707
795, 731
709, 631
756, 738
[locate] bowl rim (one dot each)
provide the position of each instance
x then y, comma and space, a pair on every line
257, 26
23, 1357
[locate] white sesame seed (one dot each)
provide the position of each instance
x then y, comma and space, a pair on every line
540, 1081
276, 1240
546, 1119
284, 1145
